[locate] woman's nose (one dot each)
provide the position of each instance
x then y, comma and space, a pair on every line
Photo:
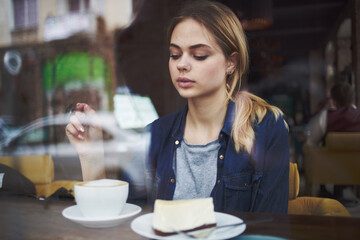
183, 64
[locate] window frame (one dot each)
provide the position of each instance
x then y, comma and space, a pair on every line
26, 25
82, 6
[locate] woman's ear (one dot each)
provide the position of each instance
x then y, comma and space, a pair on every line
232, 62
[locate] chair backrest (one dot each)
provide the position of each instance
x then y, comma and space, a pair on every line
335, 163
38, 168
343, 141
311, 205
294, 181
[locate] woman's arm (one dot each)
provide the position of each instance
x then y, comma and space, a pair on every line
85, 135
316, 129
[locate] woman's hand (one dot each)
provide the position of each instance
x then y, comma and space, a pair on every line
84, 132
83, 127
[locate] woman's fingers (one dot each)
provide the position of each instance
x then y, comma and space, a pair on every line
83, 107
88, 109
75, 119
84, 123
80, 107
86, 115
71, 131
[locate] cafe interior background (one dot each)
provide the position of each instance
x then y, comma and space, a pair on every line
113, 55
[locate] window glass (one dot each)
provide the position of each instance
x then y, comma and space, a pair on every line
32, 12
25, 13
114, 56
74, 5
87, 4
19, 13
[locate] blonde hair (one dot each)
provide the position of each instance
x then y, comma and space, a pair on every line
229, 35
249, 107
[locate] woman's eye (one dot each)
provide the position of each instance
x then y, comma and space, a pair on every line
200, 58
174, 56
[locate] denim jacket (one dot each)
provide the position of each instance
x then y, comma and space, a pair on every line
256, 182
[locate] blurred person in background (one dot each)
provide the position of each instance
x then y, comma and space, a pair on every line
226, 144
340, 115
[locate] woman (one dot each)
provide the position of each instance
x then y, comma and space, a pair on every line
226, 144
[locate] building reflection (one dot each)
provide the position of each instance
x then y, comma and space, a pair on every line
55, 53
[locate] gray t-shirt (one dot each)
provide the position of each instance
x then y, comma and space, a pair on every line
195, 169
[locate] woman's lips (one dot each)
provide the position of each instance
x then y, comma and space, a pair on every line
185, 82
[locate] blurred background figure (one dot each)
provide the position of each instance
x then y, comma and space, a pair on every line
339, 115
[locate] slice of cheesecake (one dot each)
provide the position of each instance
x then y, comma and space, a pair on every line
183, 215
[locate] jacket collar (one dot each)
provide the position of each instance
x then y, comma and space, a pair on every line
229, 119
178, 130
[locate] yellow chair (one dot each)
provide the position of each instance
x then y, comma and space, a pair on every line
39, 170
311, 205
338, 162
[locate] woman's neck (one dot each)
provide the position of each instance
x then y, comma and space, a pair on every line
204, 120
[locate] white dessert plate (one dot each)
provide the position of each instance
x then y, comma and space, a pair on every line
142, 225
73, 213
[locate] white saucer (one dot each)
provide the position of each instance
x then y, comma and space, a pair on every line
142, 225
73, 213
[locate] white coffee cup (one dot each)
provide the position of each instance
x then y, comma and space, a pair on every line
101, 199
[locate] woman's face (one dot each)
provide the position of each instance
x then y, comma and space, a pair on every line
197, 65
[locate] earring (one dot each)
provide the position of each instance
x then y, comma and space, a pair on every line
230, 72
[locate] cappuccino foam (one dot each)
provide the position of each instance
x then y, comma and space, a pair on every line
103, 183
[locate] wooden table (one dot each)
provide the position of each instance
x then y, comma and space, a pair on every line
22, 218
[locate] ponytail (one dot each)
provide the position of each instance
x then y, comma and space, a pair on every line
249, 107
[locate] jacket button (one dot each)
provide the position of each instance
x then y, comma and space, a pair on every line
172, 180
221, 157
218, 181
177, 142
221, 135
